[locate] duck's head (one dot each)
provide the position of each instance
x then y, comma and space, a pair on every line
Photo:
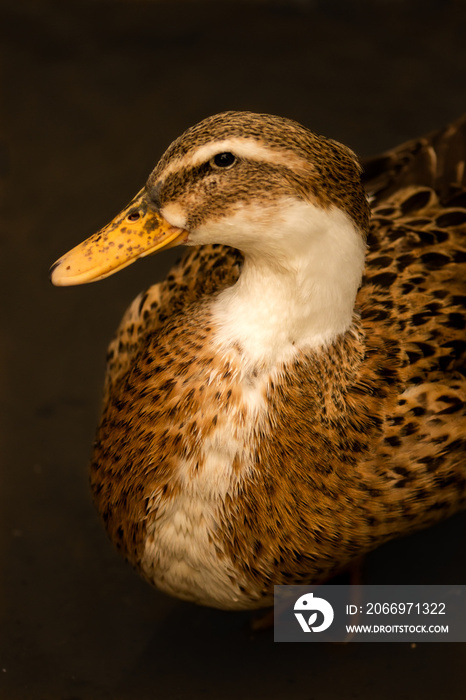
260, 183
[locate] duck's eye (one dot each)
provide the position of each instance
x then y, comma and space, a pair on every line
224, 160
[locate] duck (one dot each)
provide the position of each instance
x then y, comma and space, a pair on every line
292, 395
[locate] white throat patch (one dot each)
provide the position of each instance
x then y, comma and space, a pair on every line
298, 285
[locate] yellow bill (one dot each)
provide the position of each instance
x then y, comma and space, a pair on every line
137, 231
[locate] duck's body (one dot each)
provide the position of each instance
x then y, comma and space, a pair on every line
262, 424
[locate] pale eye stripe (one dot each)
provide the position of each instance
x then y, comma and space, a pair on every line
241, 147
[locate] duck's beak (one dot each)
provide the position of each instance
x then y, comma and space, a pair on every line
137, 231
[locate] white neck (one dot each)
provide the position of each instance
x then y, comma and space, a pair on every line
297, 288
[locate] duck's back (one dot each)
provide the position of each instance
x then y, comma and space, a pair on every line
414, 291
415, 276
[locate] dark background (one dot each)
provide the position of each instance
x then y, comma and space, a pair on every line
93, 92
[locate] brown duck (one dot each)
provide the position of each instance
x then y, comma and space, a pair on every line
292, 395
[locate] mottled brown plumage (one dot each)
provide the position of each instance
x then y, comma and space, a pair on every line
220, 477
